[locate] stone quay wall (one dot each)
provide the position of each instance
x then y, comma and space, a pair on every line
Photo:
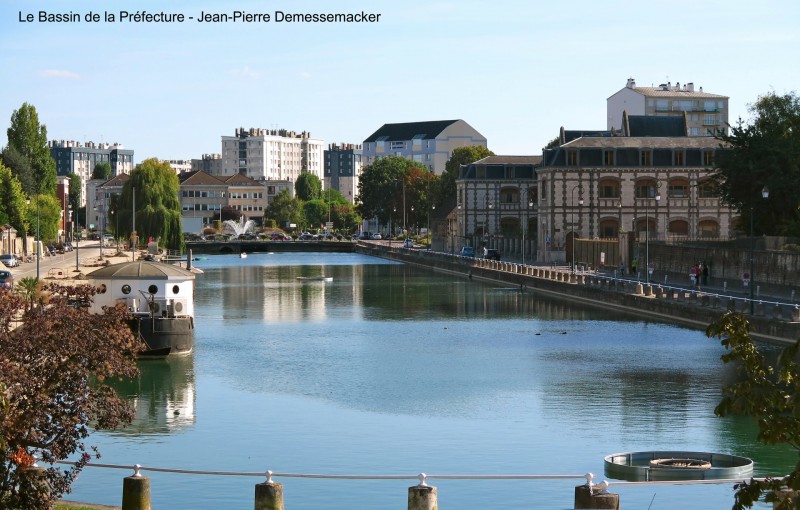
771, 322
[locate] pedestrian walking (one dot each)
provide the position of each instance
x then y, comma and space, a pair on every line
693, 274
634, 263
705, 274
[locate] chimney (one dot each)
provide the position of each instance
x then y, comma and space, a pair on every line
631, 83
690, 87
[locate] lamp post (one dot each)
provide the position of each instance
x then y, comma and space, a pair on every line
650, 191
580, 203
764, 195
430, 234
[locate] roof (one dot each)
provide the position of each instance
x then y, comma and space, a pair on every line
663, 125
117, 180
641, 142
509, 160
239, 179
409, 130
141, 270
199, 177
671, 92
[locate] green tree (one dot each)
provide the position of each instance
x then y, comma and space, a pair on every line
74, 198
29, 138
769, 395
285, 209
380, 188
102, 171
315, 213
345, 217
43, 216
54, 365
21, 169
445, 190
158, 211
764, 152
308, 187
13, 208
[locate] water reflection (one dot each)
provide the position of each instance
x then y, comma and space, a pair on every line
163, 396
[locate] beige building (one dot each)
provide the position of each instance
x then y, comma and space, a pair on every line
430, 143
271, 155
599, 185
705, 114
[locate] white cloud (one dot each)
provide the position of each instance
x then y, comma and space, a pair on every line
306, 75
245, 72
59, 73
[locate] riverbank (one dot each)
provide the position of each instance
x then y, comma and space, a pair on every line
773, 319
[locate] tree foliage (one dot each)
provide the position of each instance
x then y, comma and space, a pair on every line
769, 395
380, 188
315, 213
54, 361
102, 171
158, 210
29, 138
74, 198
445, 191
21, 169
308, 187
43, 217
285, 209
764, 152
12, 201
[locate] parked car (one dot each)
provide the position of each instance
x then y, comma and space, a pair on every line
408, 243
279, 236
492, 254
365, 235
6, 280
467, 251
9, 260
376, 236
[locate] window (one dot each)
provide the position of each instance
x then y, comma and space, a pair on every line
609, 189
544, 189
608, 158
706, 189
572, 158
678, 189
680, 158
645, 158
708, 158
709, 119
694, 131
646, 189
398, 145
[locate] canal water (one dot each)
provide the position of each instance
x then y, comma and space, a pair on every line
390, 369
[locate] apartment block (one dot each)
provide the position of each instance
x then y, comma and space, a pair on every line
343, 164
271, 154
430, 143
705, 114
81, 158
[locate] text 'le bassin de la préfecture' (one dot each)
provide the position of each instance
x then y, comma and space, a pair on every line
203, 17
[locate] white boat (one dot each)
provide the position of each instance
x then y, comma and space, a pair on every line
160, 298
315, 278
243, 255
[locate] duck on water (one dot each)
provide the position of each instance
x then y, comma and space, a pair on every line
159, 296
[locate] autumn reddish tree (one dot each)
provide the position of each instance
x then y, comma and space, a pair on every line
55, 359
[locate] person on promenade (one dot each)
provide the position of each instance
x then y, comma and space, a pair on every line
634, 263
693, 273
705, 274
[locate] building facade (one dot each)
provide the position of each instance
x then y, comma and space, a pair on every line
271, 155
705, 114
98, 203
79, 158
599, 186
208, 163
343, 169
430, 143
203, 196
496, 202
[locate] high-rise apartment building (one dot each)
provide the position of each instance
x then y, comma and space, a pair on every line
81, 158
705, 114
272, 155
343, 169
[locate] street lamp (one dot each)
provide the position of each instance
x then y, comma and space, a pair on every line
764, 195
38, 235
529, 202
650, 191
580, 203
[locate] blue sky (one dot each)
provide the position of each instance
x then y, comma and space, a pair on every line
516, 71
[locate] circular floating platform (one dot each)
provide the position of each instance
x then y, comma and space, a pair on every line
676, 465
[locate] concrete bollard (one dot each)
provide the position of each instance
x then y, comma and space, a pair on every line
585, 498
776, 312
136, 491
422, 496
705, 300
639, 289
759, 309
269, 495
648, 290
796, 314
